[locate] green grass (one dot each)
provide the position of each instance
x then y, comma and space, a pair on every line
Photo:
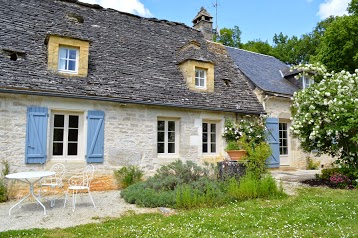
315, 212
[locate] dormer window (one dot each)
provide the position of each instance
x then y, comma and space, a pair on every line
200, 78
68, 60
306, 82
68, 56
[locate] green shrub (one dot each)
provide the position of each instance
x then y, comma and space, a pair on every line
3, 186
186, 186
257, 154
311, 164
328, 173
128, 175
148, 197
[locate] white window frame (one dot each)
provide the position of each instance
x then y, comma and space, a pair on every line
306, 82
81, 137
199, 78
166, 142
281, 138
67, 59
209, 137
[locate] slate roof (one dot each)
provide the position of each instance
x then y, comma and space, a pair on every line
132, 59
263, 71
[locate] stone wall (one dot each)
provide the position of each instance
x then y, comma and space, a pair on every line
130, 135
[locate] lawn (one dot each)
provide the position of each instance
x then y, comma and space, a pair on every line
314, 212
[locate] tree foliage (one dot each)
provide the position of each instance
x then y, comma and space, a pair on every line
229, 37
325, 114
338, 48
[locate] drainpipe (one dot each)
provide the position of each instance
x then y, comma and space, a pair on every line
266, 98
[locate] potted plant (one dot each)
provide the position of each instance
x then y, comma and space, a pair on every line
235, 150
248, 130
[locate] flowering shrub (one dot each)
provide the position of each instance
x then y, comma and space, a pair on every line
325, 114
340, 180
251, 129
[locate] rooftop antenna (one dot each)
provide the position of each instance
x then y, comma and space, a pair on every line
215, 5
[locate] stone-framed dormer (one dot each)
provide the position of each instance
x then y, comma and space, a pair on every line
68, 56
203, 22
199, 75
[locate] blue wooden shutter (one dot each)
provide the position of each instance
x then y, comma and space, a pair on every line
36, 134
95, 137
273, 139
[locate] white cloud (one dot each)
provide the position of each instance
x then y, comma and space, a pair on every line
130, 6
333, 7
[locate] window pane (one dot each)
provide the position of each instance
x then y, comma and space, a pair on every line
160, 125
171, 125
201, 73
160, 147
59, 120
205, 148
63, 53
72, 149
73, 121
57, 149
213, 138
171, 148
160, 136
72, 54
72, 135
72, 65
62, 64
58, 135
202, 82
205, 137
213, 128
171, 136
213, 148
197, 82
205, 127
196, 74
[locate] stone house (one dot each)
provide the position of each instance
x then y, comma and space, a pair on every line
274, 85
81, 84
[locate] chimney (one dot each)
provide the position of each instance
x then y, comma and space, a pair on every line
204, 23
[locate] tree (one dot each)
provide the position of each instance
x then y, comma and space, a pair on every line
258, 46
325, 114
353, 7
338, 48
229, 37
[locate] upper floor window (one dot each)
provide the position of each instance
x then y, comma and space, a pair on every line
209, 138
200, 78
68, 56
307, 82
167, 141
68, 59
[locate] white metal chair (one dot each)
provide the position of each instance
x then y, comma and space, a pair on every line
80, 183
54, 181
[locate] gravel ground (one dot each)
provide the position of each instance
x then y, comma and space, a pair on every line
109, 205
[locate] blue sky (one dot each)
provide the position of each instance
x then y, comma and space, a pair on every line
257, 19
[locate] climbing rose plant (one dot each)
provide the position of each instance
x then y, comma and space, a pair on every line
325, 115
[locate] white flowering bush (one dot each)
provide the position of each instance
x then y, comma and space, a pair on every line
250, 128
325, 115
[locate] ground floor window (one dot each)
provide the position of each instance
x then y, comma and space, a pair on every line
209, 138
283, 136
66, 133
167, 136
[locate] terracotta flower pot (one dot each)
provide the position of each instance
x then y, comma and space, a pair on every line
236, 154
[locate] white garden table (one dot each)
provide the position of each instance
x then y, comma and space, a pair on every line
30, 178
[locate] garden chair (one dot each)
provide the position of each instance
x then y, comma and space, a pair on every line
54, 181
80, 183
